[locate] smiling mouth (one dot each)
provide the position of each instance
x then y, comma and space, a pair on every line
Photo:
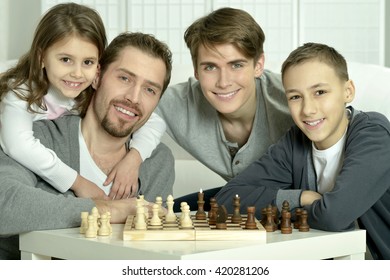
226, 95
313, 123
72, 84
124, 111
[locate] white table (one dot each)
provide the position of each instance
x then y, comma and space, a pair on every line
315, 244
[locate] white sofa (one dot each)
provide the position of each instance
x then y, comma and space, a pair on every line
372, 94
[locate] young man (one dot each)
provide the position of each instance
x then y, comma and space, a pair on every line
233, 110
135, 70
334, 162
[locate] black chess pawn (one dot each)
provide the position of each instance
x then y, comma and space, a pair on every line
250, 219
236, 218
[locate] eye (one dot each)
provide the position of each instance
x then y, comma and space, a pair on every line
65, 59
151, 91
293, 97
320, 92
237, 65
124, 78
209, 67
89, 62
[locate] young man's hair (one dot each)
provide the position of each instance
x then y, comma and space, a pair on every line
226, 26
144, 42
319, 52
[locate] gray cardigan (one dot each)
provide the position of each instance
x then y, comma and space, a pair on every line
28, 203
361, 191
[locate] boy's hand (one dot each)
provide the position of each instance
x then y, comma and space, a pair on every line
308, 197
85, 188
125, 176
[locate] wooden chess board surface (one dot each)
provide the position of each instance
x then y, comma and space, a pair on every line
201, 230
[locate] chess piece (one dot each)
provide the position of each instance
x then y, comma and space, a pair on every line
140, 222
285, 226
286, 206
96, 216
213, 214
250, 219
304, 226
155, 220
298, 212
221, 218
159, 202
275, 216
181, 209
212, 202
270, 224
186, 221
200, 214
263, 216
104, 229
109, 221
84, 222
236, 218
91, 230
170, 217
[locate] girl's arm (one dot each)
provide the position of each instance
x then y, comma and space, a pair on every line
18, 141
125, 174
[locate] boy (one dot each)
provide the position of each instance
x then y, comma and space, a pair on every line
334, 162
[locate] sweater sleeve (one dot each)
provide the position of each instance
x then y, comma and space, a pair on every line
146, 139
260, 182
18, 141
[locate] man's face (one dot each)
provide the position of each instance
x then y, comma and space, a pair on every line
227, 78
128, 91
71, 65
316, 98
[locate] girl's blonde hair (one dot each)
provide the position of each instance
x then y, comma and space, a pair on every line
63, 20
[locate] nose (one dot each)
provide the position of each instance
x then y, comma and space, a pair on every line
133, 94
223, 79
76, 71
309, 106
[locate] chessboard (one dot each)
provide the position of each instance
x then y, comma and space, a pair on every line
201, 230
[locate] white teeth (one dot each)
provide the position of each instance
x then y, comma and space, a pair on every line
313, 123
125, 111
226, 95
73, 84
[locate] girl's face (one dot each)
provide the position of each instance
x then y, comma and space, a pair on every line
71, 65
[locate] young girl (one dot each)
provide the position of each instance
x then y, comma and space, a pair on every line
54, 79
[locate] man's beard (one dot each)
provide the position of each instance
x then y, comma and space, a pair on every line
116, 131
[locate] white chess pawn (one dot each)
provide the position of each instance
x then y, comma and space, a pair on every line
181, 209
170, 217
155, 220
84, 222
140, 222
91, 230
161, 212
96, 216
104, 228
186, 221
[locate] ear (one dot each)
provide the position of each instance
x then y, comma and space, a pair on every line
95, 82
259, 66
349, 91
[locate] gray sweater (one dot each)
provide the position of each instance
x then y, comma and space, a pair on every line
194, 124
28, 203
361, 191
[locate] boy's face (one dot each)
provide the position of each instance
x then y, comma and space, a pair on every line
227, 78
316, 97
